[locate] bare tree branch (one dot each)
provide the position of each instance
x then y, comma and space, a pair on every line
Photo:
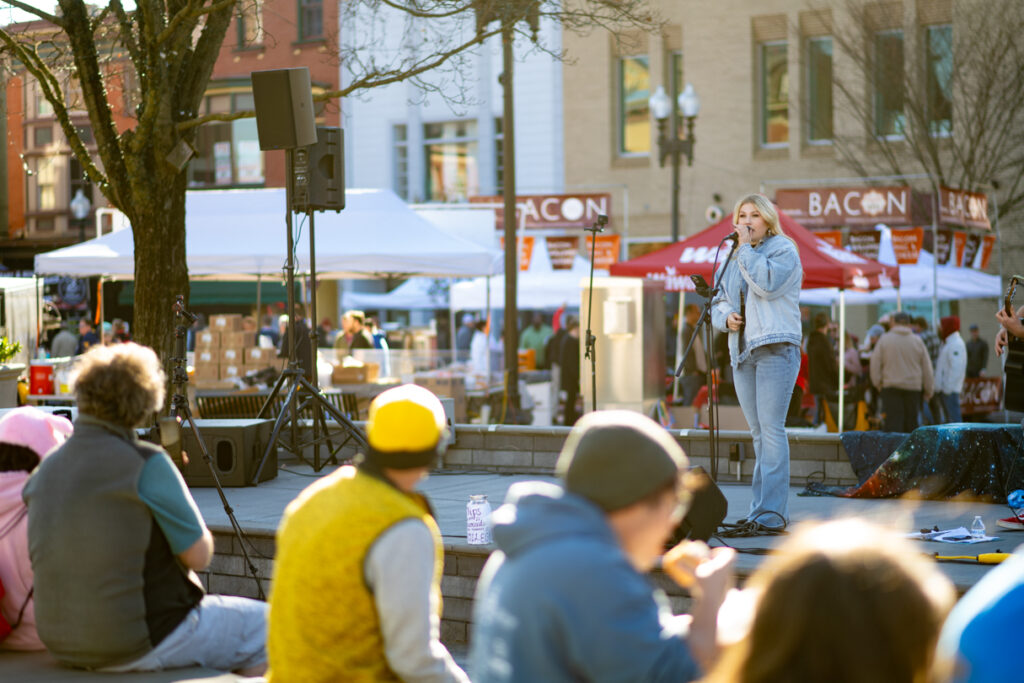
36, 11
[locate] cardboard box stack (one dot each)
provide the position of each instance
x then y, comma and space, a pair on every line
446, 385
225, 351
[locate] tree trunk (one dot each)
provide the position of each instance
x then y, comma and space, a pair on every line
161, 272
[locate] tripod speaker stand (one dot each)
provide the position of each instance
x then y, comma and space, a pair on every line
302, 395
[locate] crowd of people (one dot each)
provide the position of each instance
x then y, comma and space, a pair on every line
359, 561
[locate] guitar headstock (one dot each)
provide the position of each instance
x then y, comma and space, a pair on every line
1008, 301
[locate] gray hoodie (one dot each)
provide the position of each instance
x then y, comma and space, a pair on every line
560, 601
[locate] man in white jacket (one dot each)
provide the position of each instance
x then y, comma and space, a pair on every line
951, 367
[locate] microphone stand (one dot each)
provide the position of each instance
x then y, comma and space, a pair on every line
704, 322
591, 340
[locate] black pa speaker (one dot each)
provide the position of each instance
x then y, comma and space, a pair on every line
284, 108
327, 170
235, 446
708, 508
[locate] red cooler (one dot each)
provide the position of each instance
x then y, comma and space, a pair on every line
40, 378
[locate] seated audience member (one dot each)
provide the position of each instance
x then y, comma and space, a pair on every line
565, 596
978, 643
841, 601
114, 535
357, 576
26, 436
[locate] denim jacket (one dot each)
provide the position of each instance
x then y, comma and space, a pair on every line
770, 276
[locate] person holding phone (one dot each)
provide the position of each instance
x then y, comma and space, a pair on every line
758, 305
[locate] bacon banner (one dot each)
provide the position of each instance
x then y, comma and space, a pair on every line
906, 244
833, 237
606, 252
525, 250
987, 242
865, 243
562, 251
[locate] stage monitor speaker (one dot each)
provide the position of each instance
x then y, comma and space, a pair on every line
236, 447
283, 99
324, 173
708, 508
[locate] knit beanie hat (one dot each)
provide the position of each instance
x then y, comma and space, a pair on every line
34, 429
406, 427
949, 325
615, 458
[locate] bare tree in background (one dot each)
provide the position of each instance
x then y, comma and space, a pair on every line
169, 47
945, 101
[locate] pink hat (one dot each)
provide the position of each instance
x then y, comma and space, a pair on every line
34, 429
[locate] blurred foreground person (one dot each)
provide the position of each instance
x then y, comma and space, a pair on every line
845, 602
114, 536
26, 436
357, 576
565, 596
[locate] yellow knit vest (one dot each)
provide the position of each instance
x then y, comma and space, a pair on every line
323, 623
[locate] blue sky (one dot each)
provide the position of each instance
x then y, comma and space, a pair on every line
9, 15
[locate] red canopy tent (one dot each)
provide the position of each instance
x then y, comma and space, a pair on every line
824, 265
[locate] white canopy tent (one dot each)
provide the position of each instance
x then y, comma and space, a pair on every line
415, 294
916, 282
539, 287
240, 234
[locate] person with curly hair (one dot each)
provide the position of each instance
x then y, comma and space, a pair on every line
26, 436
115, 539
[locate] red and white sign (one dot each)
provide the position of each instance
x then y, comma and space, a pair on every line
906, 244
606, 252
865, 243
551, 210
980, 395
846, 206
959, 207
562, 251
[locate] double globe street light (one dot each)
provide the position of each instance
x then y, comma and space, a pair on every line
669, 142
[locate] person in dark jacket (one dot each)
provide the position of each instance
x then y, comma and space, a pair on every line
822, 366
569, 357
303, 344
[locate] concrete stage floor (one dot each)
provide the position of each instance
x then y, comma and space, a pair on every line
261, 508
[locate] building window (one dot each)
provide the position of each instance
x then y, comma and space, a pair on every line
634, 112
311, 19
450, 150
42, 136
45, 224
228, 152
250, 23
401, 171
939, 43
85, 134
888, 83
39, 106
774, 95
819, 89
46, 185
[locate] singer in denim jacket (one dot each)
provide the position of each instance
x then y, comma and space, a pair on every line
764, 344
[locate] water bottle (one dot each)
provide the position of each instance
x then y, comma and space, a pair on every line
478, 520
977, 527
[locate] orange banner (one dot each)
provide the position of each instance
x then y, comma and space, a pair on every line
606, 252
959, 242
833, 237
525, 250
906, 243
987, 242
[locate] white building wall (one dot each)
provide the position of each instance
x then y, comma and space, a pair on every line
369, 118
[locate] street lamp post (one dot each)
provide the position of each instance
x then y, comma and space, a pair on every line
80, 208
669, 143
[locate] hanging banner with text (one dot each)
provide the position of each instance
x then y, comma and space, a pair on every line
833, 237
828, 207
562, 251
865, 243
551, 210
606, 252
525, 250
959, 207
987, 244
971, 249
906, 244
950, 247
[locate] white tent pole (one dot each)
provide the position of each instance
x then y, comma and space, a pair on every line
679, 349
487, 365
259, 303
451, 322
842, 358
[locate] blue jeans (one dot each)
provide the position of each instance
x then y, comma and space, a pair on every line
764, 384
951, 405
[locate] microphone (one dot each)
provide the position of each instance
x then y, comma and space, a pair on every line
735, 235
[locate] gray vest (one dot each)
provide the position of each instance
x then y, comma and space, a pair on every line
107, 586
